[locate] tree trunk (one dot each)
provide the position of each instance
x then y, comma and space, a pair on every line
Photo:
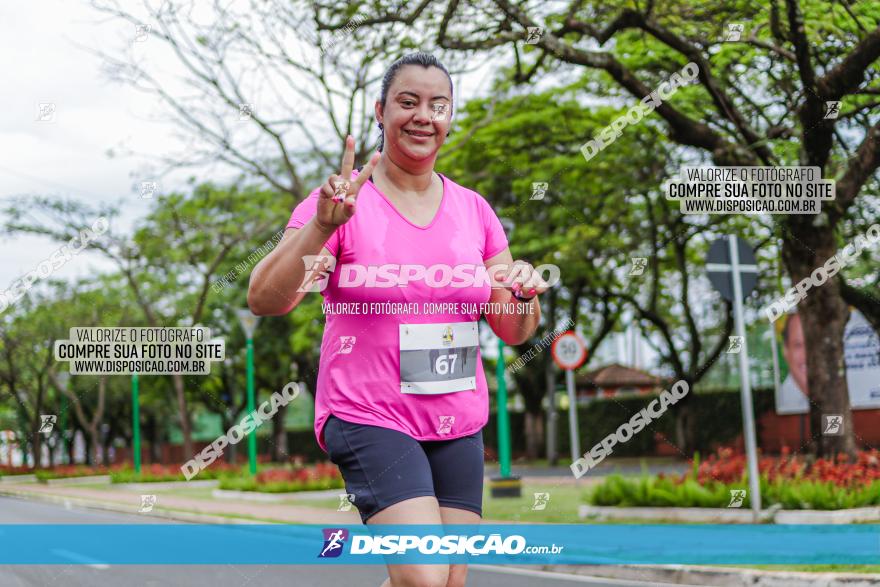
37, 442
96, 444
534, 423
279, 436
823, 315
87, 437
185, 424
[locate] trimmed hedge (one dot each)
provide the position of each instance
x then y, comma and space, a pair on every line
719, 414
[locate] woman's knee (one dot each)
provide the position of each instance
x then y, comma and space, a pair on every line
420, 576
457, 576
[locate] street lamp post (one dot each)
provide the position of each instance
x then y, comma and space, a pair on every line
63, 378
504, 485
249, 324
136, 423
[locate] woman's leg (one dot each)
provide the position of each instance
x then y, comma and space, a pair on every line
458, 573
390, 477
457, 471
417, 510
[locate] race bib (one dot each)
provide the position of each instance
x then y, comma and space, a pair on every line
438, 358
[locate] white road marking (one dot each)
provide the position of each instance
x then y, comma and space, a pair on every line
80, 559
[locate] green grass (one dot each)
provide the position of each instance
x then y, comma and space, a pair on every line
811, 568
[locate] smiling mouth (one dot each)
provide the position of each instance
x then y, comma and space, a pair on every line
413, 133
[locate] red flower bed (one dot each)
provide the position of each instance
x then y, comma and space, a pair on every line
314, 473
10, 470
726, 466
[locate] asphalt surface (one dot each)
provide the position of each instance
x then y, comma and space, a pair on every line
92, 573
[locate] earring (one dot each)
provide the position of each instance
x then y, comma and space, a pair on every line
381, 126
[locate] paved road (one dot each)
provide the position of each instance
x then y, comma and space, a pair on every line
93, 574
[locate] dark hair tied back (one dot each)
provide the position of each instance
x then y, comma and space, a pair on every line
426, 60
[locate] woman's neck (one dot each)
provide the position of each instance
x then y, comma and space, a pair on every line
404, 180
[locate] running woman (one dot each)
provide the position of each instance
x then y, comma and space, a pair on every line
401, 398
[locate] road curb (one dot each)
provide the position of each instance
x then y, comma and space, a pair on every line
652, 574
715, 576
121, 509
726, 515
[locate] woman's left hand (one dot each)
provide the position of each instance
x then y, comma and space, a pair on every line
521, 279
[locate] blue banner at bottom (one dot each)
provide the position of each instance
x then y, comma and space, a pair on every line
525, 544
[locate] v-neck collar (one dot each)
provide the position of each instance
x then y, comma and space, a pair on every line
443, 197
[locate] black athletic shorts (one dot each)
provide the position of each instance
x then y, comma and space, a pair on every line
381, 467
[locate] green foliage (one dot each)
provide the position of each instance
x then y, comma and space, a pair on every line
251, 484
649, 491
718, 412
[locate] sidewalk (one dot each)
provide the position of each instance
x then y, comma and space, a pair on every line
187, 509
130, 501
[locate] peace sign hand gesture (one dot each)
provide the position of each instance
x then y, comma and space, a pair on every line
336, 202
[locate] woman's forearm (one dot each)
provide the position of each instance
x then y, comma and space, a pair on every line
508, 324
276, 280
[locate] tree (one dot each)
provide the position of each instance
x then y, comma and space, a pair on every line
763, 102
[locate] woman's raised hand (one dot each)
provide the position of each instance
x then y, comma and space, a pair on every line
336, 202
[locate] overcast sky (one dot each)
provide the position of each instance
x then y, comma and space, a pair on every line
42, 62
46, 60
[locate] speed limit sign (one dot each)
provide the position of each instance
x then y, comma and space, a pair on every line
569, 350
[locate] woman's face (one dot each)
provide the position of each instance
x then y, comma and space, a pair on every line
417, 112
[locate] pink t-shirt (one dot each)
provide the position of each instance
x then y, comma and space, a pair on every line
359, 374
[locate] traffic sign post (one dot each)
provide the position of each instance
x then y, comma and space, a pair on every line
569, 352
733, 272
